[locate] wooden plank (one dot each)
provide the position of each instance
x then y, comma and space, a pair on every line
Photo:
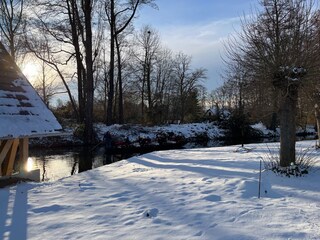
7, 167
23, 153
4, 149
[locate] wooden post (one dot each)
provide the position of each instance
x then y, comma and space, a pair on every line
9, 162
4, 149
23, 153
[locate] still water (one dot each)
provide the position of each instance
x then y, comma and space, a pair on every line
57, 163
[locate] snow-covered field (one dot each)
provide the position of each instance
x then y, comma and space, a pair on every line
206, 193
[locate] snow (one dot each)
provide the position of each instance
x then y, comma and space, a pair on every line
263, 129
26, 117
308, 129
208, 193
186, 130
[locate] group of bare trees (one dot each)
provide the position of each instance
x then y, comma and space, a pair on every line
157, 85
102, 62
12, 24
273, 67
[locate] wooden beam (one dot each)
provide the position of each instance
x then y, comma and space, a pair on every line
23, 153
7, 167
4, 149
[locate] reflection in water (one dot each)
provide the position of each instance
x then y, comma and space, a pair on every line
84, 162
30, 164
58, 163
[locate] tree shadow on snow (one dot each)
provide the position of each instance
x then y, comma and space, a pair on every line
209, 170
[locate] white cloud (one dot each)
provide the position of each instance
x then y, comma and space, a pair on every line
204, 42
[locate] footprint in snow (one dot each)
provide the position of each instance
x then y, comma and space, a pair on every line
207, 180
151, 213
207, 191
86, 186
140, 170
198, 234
212, 198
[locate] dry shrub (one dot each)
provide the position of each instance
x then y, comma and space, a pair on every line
305, 160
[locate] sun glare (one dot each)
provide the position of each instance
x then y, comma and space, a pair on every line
30, 164
31, 70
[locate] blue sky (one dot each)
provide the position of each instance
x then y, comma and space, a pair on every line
197, 28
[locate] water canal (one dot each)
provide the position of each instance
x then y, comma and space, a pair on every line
58, 163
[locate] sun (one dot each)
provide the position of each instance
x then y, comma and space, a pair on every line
31, 70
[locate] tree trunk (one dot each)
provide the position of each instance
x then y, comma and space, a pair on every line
274, 116
150, 105
182, 102
105, 100
12, 48
75, 25
111, 70
287, 115
89, 136
120, 97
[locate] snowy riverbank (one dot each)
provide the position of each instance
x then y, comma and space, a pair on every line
192, 133
206, 193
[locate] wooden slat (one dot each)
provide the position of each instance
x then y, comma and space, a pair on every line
7, 167
5, 147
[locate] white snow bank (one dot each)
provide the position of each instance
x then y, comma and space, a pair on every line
263, 129
185, 130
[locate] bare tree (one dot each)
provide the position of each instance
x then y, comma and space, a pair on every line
219, 98
278, 45
88, 45
119, 15
69, 24
77, 33
46, 84
145, 54
186, 80
42, 49
12, 23
162, 85
312, 91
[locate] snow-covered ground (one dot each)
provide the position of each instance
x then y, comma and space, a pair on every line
206, 193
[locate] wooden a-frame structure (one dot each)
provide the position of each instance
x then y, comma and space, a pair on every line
23, 115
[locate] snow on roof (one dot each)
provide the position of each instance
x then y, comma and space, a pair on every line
22, 112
